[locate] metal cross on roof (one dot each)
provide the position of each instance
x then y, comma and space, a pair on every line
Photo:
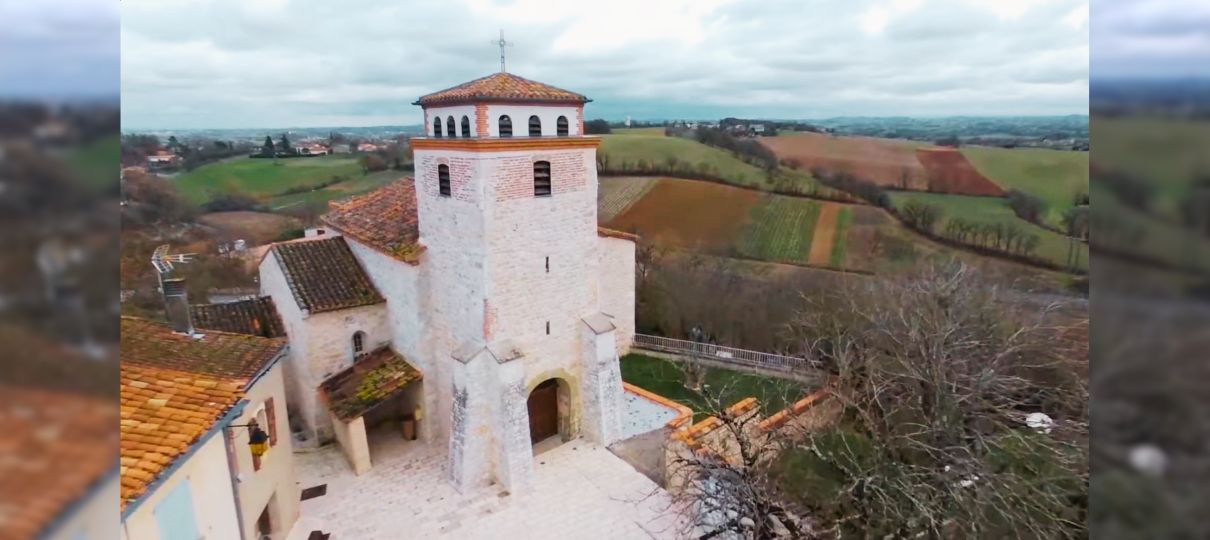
502, 44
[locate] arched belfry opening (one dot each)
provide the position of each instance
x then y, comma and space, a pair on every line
549, 406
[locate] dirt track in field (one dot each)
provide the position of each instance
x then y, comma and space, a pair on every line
825, 236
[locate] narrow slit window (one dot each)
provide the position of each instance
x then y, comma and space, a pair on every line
506, 126
548, 328
548, 265
561, 125
535, 126
449, 127
542, 178
437, 127
359, 343
466, 127
443, 180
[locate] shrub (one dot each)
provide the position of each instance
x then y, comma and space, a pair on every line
1026, 206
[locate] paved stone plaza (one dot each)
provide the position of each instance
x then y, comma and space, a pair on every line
581, 491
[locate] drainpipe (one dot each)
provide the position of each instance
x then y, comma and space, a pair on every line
233, 473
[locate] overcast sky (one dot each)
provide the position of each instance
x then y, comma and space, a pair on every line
279, 63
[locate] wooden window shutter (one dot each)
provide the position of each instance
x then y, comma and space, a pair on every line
271, 415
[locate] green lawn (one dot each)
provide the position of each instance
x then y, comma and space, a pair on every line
96, 163
1053, 247
263, 177
1056, 176
842, 232
780, 229
665, 378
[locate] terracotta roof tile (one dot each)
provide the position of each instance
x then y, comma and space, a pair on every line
54, 447
255, 317
368, 382
324, 275
163, 412
611, 233
384, 219
500, 87
217, 354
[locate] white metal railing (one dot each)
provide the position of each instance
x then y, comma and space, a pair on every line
726, 355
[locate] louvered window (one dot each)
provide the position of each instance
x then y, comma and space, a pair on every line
506, 126
535, 126
542, 178
562, 126
449, 127
466, 127
443, 180
437, 127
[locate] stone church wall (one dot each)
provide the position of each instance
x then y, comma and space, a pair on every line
617, 287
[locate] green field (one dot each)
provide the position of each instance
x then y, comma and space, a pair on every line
665, 378
1056, 176
318, 199
657, 131
842, 233
658, 149
1166, 154
96, 163
1053, 247
263, 178
780, 229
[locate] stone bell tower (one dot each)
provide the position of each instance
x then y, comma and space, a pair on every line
506, 190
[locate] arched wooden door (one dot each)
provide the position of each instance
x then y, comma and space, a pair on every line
544, 411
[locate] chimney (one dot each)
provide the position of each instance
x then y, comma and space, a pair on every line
176, 305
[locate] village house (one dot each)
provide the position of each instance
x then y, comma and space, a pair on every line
313, 149
206, 451
163, 160
477, 306
367, 147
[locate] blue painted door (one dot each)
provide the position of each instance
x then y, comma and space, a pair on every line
174, 514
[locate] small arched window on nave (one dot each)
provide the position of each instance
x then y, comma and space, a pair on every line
437, 127
541, 178
535, 126
443, 180
449, 127
466, 127
359, 344
506, 126
561, 125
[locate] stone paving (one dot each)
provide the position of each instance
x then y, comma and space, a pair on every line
581, 491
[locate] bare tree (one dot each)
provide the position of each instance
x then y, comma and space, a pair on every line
965, 412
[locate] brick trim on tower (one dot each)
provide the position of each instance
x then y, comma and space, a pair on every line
481, 126
580, 119
505, 144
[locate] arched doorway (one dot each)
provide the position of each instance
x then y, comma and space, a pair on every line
543, 405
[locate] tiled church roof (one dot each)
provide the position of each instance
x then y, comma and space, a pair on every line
218, 354
255, 317
369, 381
384, 219
501, 87
324, 275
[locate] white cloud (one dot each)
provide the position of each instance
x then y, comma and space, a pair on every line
216, 63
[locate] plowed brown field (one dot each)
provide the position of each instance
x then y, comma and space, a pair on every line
882, 161
950, 172
689, 214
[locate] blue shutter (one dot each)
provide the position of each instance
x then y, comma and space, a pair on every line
174, 514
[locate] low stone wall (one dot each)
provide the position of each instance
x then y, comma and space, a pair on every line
714, 436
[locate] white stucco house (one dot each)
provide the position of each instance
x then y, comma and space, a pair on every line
477, 302
191, 404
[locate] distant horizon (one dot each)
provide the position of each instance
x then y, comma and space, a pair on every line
126, 130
